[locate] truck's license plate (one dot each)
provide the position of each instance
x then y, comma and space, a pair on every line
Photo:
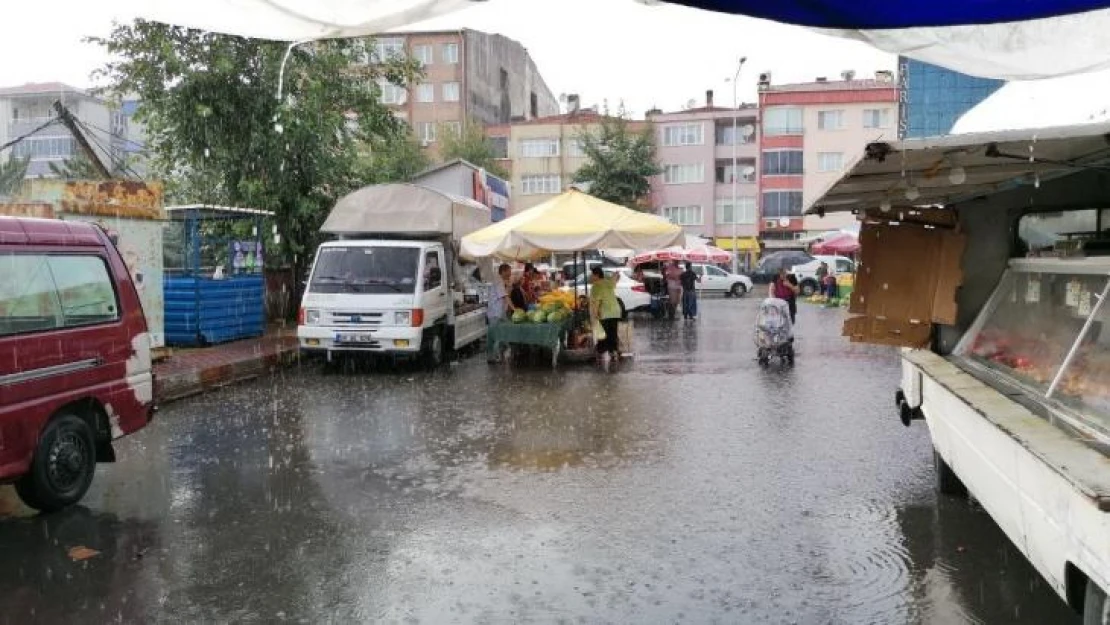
353, 338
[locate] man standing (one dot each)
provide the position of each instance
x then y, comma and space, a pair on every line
689, 281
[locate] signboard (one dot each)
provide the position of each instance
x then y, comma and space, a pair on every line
903, 96
493, 192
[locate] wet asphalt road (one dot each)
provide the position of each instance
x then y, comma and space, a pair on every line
689, 486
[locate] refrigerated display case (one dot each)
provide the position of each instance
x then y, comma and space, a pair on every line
1045, 334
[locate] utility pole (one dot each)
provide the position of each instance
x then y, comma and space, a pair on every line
69, 122
735, 113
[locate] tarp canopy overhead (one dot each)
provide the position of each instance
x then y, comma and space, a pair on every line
839, 244
571, 222
947, 170
405, 209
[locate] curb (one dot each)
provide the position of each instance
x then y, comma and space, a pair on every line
174, 387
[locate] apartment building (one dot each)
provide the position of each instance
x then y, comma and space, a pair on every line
543, 154
25, 108
810, 133
699, 188
468, 75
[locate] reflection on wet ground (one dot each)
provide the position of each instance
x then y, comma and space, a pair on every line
688, 486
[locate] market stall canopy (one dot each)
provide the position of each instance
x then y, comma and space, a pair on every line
839, 244
989, 38
406, 209
570, 222
946, 170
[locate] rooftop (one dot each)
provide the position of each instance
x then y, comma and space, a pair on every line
40, 88
581, 116
831, 85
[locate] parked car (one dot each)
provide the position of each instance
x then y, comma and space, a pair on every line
633, 296
75, 365
807, 273
769, 266
717, 280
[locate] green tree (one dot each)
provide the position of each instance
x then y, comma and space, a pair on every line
12, 173
75, 168
621, 161
393, 158
214, 123
470, 144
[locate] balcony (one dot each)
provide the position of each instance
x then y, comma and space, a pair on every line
21, 127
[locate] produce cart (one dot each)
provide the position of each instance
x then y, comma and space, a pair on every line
571, 222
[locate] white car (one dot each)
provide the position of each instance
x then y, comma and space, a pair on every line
807, 273
632, 295
717, 280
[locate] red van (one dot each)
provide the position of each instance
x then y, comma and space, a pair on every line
75, 368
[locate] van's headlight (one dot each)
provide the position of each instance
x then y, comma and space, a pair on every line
402, 318
311, 317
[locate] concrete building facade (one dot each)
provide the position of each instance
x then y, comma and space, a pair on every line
810, 133
695, 149
542, 155
26, 107
467, 75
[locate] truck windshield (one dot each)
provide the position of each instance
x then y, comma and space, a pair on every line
365, 270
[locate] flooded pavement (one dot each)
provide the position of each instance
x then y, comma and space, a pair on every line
689, 486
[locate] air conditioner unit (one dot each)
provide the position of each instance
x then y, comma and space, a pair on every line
765, 78
770, 224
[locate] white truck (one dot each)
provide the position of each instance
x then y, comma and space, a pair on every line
996, 281
390, 283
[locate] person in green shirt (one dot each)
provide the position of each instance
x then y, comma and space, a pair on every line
607, 310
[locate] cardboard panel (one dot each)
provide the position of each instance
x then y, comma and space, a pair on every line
907, 281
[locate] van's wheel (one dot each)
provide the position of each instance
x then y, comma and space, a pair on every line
809, 287
948, 483
63, 465
433, 350
738, 290
1096, 609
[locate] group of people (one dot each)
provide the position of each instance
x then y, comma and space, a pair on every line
682, 290
508, 296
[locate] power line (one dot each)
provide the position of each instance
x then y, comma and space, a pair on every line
93, 138
49, 122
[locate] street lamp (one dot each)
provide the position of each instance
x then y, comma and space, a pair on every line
735, 113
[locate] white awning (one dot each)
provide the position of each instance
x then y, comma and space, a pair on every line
946, 170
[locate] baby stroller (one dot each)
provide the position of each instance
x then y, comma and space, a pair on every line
774, 333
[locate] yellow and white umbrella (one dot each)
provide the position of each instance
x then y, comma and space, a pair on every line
571, 222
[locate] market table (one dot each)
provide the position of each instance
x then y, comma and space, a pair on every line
549, 335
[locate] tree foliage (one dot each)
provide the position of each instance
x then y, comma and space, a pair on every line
621, 161
393, 158
472, 145
217, 131
75, 168
12, 173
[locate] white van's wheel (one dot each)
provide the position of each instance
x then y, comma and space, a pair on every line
63, 466
433, 352
1096, 609
948, 483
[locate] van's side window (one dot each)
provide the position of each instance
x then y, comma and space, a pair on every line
85, 290
433, 274
29, 302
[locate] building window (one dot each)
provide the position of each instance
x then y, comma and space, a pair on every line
876, 118
450, 53
690, 173
450, 92
46, 148
744, 172
782, 163
539, 148
426, 132
423, 53
540, 184
745, 132
685, 134
745, 212
830, 161
782, 204
683, 215
499, 146
830, 120
386, 49
425, 93
783, 120
391, 93
454, 128
574, 148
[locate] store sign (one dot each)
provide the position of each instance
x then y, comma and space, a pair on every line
493, 192
903, 96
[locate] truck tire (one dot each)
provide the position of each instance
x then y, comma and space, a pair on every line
63, 466
809, 287
1096, 609
948, 483
433, 348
